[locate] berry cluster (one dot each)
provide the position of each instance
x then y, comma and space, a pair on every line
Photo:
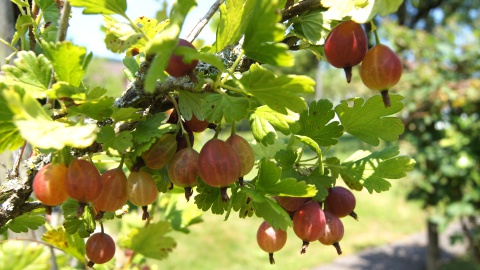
346, 46
310, 221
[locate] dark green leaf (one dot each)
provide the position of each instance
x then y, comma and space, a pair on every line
268, 209
31, 220
190, 103
209, 198
114, 142
216, 107
84, 225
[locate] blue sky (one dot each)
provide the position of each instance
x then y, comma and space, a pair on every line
84, 30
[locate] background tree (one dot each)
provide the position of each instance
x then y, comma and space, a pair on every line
442, 112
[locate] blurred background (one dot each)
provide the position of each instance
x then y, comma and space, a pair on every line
438, 42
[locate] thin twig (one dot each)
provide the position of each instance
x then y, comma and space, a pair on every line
63, 26
16, 165
31, 34
203, 22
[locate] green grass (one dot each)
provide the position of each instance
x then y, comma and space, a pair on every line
231, 244
464, 263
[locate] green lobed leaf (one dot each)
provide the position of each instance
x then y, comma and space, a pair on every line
114, 142
71, 244
209, 198
50, 11
31, 220
234, 16
13, 256
105, 7
67, 60
164, 43
126, 114
268, 182
268, 209
322, 182
368, 121
278, 92
371, 171
48, 27
98, 109
23, 23
161, 179
120, 36
317, 123
241, 203
132, 67
146, 132
264, 123
10, 138
29, 71
216, 107
190, 103
150, 241
286, 159
262, 33
312, 26
84, 225
36, 126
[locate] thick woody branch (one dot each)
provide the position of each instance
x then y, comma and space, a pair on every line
15, 193
299, 8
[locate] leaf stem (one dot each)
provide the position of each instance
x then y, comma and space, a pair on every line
309, 159
217, 131
233, 129
233, 67
374, 30
8, 45
231, 88
300, 155
180, 122
122, 160
334, 166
